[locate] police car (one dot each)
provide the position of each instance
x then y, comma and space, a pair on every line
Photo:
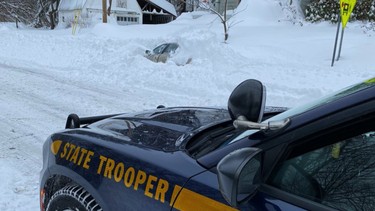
320, 156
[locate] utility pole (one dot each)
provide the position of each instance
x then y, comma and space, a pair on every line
104, 5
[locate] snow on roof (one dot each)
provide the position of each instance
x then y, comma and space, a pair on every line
132, 5
165, 6
96, 4
71, 5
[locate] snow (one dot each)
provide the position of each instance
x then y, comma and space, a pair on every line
47, 74
71, 5
165, 5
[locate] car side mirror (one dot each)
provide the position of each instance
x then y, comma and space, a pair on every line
239, 175
147, 52
248, 99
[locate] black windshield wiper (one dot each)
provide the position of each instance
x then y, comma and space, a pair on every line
211, 141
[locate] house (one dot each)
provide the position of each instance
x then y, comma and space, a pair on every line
157, 11
124, 12
219, 5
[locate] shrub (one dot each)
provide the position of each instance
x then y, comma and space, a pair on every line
328, 10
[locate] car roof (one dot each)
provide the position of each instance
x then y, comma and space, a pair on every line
342, 99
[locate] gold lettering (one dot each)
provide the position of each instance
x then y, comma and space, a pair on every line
161, 189
140, 179
102, 160
87, 159
129, 177
119, 172
75, 155
109, 168
83, 153
62, 155
150, 185
72, 147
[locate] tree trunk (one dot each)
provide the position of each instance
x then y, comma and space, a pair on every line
226, 35
104, 2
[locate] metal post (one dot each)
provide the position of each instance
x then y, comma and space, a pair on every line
17, 21
342, 35
337, 36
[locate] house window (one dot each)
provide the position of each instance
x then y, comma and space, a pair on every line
133, 19
129, 20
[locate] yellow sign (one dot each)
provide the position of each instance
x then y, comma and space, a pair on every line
370, 81
346, 8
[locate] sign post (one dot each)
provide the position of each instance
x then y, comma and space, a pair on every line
346, 8
77, 13
337, 36
342, 35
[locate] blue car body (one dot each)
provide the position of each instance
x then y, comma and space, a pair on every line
166, 159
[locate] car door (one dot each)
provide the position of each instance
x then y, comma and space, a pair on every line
167, 51
328, 164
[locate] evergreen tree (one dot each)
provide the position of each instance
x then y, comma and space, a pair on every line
328, 10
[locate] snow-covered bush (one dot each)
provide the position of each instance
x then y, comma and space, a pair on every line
292, 11
328, 10
369, 28
322, 10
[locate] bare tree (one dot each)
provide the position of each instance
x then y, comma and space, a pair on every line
38, 13
221, 12
53, 13
46, 13
17, 11
223, 17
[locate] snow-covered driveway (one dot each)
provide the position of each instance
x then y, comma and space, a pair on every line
33, 105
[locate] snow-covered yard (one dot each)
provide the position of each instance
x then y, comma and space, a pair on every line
45, 75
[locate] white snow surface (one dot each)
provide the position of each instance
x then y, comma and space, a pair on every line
47, 74
71, 5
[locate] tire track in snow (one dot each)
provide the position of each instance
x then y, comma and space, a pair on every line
33, 104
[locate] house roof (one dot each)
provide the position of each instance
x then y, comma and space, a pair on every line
96, 4
165, 6
131, 5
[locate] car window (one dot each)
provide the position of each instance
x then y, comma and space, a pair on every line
159, 49
171, 48
340, 175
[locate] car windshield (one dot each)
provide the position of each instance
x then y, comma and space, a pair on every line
316, 103
159, 49
171, 48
